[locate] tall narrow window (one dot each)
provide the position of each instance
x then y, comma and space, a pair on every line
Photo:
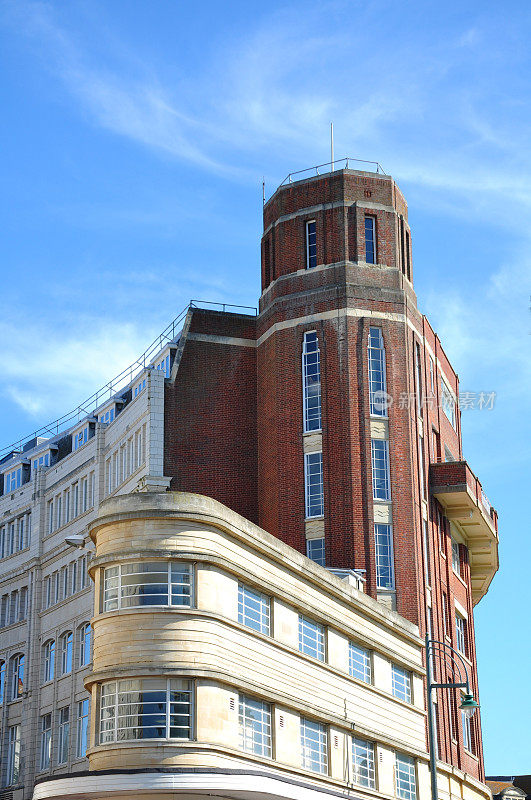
456, 558
384, 556
460, 634
311, 378
311, 245
381, 487
13, 755
448, 402
363, 769
48, 660
313, 469
66, 652
314, 746
17, 677
254, 719
377, 382
370, 240
84, 633
315, 549
421, 468
311, 638
426, 552
467, 731
418, 379
401, 683
359, 663
46, 741
2, 680
253, 609
64, 735
82, 727
406, 782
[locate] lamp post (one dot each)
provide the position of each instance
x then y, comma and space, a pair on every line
442, 650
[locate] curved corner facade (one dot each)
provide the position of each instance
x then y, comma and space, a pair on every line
227, 662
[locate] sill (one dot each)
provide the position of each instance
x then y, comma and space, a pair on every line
16, 553
310, 433
310, 519
471, 754
382, 500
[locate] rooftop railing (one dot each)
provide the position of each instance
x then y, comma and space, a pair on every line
332, 166
118, 383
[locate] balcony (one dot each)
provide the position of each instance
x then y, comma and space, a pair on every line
466, 505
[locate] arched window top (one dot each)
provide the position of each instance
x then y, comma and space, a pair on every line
48, 660
84, 634
65, 635
16, 676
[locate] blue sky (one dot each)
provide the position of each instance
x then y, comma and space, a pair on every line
134, 140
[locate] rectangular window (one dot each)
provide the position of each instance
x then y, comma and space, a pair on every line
313, 474
47, 592
13, 755
50, 517
405, 778
426, 552
74, 577
3, 543
253, 609
311, 245
315, 549
377, 382
448, 402
64, 582
147, 583
381, 485
46, 741
64, 735
254, 719
432, 376
58, 511
467, 731
75, 490
83, 575
311, 638
401, 682
80, 438
67, 506
21, 531
383, 540
359, 663
84, 494
314, 746
421, 468
456, 558
418, 379
363, 771
370, 240
311, 380
460, 634
82, 728
48, 661
146, 708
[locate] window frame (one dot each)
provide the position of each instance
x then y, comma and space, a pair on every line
82, 727
376, 366
406, 793
381, 470
322, 761
306, 375
45, 739
370, 780
260, 729
16, 676
308, 491
307, 625
13, 755
365, 670
383, 569
63, 734
402, 684
66, 641
320, 556
309, 245
247, 594
118, 596
373, 251
48, 660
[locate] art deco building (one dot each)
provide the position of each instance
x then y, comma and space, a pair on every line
275, 509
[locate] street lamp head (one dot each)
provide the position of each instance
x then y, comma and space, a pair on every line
469, 706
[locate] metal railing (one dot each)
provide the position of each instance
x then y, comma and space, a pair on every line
119, 382
333, 165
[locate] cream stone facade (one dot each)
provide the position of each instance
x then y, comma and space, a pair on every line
230, 648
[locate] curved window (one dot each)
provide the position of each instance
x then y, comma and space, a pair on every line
146, 708
17, 677
66, 652
48, 660
147, 583
84, 634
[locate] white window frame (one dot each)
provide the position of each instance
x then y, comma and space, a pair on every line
383, 568
363, 763
359, 663
45, 760
460, 634
316, 550
13, 755
84, 637
254, 726
306, 367
66, 641
254, 609
381, 485
312, 638
456, 556
48, 661
115, 585
377, 366
82, 727
448, 403
405, 766
401, 683
308, 486
314, 746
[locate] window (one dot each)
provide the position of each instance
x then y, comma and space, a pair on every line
448, 402
460, 634
58, 511
2, 542
4, 607
314, 746
64, 735
401, 682
13, 480
82, 727
359, 663
253, 609
254, 719
48, 660
432, 376
370, 240
107, 416
139, 387
46, 741
13, 755
84, 638
74, 577
383, 540
426, 553
467, 731
17, 677
41, 461
311, 245
21, 526
456, 558
311, 380
313, 469
2, 680
406, 783
83, 572
80, 438
421, 468
147, 583
315, 549
66, 652
380, 469
84, 494
377, 381
75, 491
363, 771
311, 638
147, 708
50, 517
418, 379
64, 582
